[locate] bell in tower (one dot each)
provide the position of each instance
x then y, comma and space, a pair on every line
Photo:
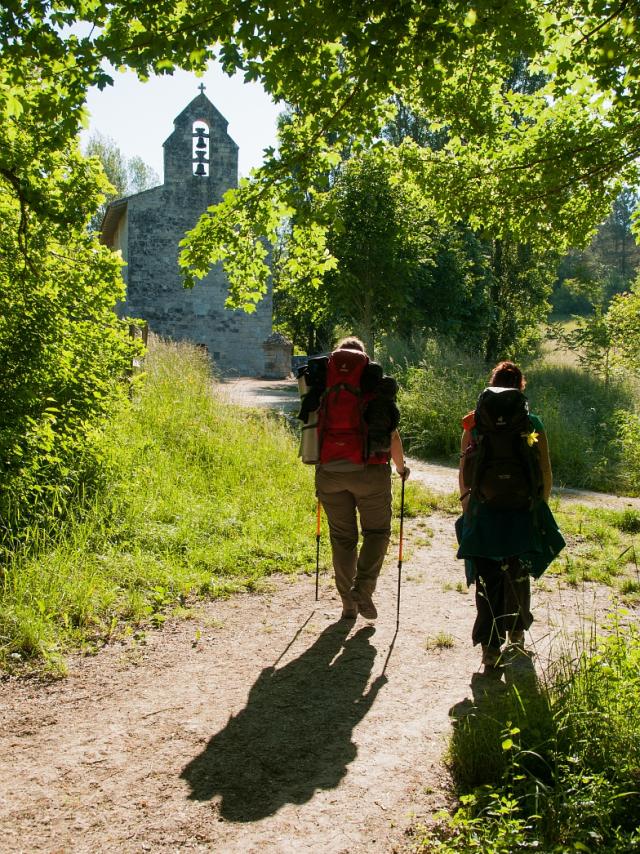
200, 159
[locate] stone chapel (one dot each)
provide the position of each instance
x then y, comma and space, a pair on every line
200, 165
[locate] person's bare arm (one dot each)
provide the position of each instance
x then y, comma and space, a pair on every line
545, 465
397, 455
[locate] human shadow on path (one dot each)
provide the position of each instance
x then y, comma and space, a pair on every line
481, 723
519, 674
294, 734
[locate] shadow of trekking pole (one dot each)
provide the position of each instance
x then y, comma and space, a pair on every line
292, 641
391, 646
395, 634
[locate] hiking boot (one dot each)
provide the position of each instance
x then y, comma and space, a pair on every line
516, 639
365, 605
349, 608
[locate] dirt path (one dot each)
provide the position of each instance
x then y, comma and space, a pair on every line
264, 724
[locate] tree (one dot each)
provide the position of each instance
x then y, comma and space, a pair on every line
608, 264
126, 176
114, 166
623, 321
301, 303
63, 351
381, 236
140, 176
520, 282
590, 338
408, 124
537, 164
615, 245
488, 294
111, 159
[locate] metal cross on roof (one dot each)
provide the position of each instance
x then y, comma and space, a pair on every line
202, 87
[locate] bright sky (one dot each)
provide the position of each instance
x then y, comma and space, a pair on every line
139, 116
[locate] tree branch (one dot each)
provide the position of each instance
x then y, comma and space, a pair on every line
603, 167
521, 167
602, 24
187, 27
23, 225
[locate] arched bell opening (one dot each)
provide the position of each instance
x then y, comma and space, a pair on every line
200, 149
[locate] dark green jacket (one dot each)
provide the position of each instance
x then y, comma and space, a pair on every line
531, 535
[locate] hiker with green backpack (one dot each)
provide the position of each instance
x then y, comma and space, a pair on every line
507, 532
350, 434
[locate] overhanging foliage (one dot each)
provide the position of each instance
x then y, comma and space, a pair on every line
538, 165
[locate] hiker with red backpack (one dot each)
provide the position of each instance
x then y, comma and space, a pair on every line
351, 435
507, 532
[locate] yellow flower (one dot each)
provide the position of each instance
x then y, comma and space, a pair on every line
532, 438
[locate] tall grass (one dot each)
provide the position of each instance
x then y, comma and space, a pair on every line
592, 427
581, 417
434, 396
553, 766
201, 498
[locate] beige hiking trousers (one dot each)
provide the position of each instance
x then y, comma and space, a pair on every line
344, 496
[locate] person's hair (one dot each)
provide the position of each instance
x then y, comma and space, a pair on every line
507, 375
350, 343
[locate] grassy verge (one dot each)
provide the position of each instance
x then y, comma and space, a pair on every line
585, 421
201, 499
601, 547
554, 765
551, 767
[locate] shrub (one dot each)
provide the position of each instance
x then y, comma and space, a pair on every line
434, 397
628, 427
580, 416
63, 351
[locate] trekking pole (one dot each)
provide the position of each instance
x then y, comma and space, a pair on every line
400, 553
318, 516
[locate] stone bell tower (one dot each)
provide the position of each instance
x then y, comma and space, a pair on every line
200, 165
200, 148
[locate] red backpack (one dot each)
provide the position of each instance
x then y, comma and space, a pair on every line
342, 428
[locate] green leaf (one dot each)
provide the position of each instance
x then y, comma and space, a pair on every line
470, 18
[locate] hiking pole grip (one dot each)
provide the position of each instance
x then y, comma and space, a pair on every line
400, 553
318, 518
